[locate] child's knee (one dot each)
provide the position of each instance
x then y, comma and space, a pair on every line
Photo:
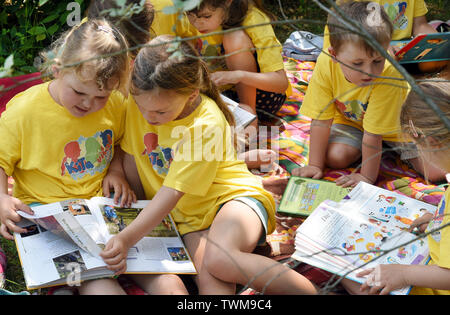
236, 40
340, 155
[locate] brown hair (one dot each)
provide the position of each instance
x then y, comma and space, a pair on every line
135, 28
234, 13
94, 50
419, 120
156, 67
381, 29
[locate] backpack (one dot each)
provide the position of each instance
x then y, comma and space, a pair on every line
302, 45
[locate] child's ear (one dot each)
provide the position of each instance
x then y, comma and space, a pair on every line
193, 96
332, 53
55, 71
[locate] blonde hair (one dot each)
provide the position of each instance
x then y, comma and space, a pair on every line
156, 67
364, 13
419, 120
94, 50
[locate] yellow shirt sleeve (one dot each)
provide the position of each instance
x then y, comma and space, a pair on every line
268, 48
318, 102
420, 8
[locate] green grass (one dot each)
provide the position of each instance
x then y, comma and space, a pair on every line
294, 9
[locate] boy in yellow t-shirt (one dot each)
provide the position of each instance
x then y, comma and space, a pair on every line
354, 100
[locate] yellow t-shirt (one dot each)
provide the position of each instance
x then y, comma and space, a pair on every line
192, 155
374, 108
401, 14
438, 243
169, 23
268, 48
53, 155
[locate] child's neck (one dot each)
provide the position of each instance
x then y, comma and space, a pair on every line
190, 107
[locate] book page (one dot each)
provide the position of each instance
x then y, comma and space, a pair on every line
71, 220
46, 257
360, 243
161, 250
386, 209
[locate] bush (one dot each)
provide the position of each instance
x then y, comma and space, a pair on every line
28, 27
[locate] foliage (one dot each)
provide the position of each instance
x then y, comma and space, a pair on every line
27, 27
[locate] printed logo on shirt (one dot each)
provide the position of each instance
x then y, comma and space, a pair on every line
88, 155
211, 51
396, 13
159, 157
352, 110
437, 221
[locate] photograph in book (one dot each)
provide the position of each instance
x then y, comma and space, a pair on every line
370, 226
65, 238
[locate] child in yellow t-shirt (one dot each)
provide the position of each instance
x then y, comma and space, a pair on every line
178, 131
61, 138
433, 138
354, 100
407, 17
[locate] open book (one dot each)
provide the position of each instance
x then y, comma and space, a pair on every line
64, 240
425, 47
302, 195
368, 227
242, 117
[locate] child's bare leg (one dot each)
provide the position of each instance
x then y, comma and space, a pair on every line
428, 170
243, 60
206, 284
164, 284
232, 238
101, 287
341, 155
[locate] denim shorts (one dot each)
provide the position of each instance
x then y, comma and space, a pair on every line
352, 136
259, 209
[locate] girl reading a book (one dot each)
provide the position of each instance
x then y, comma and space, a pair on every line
179, 133
59, 138
432, 137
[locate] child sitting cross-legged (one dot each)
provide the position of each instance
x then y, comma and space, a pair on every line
354, 100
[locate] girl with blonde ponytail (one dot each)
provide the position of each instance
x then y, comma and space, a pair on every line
178, 131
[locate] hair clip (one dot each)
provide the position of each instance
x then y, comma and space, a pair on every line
106, 30
413, 129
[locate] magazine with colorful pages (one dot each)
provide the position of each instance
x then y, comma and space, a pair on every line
64, 239
370, 226
302, 195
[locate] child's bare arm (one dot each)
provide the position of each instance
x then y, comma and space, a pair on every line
386, 278
276, 81
116, 249
371, 156
8, 209
115, 179
421, 26
320, 132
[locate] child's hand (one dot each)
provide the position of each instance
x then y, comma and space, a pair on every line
308, 171
122, 191
383, 279
421, 223
115, 255
226, 77
9, 216
352, 180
